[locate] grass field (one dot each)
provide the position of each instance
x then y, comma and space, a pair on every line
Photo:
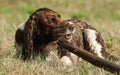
104, 15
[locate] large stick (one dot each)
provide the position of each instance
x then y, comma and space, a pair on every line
106, 65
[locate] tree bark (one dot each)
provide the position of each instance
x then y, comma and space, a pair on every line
99, 62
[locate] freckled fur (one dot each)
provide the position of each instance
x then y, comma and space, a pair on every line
87, 38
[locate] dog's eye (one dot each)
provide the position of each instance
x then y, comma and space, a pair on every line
53, 20
59, 16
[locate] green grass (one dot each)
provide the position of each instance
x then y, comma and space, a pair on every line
80, 15
4, 10
26, 10
104, 15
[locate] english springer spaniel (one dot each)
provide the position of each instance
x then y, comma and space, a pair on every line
85, 37
41, 28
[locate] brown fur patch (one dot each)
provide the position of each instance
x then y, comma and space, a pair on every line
41, 28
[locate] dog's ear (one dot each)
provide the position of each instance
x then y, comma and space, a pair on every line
28, 40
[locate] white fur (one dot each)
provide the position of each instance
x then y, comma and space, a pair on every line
69, 40
66, 61
74, 57
91, 38
21, 26
70, 23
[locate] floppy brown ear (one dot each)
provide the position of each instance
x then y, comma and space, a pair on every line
28, 40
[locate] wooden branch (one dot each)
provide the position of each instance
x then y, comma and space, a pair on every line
99, 62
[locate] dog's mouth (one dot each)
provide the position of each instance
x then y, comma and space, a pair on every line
66, 36
67, 31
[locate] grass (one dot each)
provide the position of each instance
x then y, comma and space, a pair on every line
79, 15
104, 15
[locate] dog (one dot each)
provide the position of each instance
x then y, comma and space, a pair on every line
87, 38
41, 28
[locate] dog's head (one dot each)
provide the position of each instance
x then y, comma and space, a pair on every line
67, 31
48, 23
47, 18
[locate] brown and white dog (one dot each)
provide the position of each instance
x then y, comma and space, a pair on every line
45, 26
85, 37
42, 27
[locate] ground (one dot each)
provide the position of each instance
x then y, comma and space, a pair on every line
104, 15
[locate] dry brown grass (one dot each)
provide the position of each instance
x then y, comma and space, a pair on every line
104, 15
